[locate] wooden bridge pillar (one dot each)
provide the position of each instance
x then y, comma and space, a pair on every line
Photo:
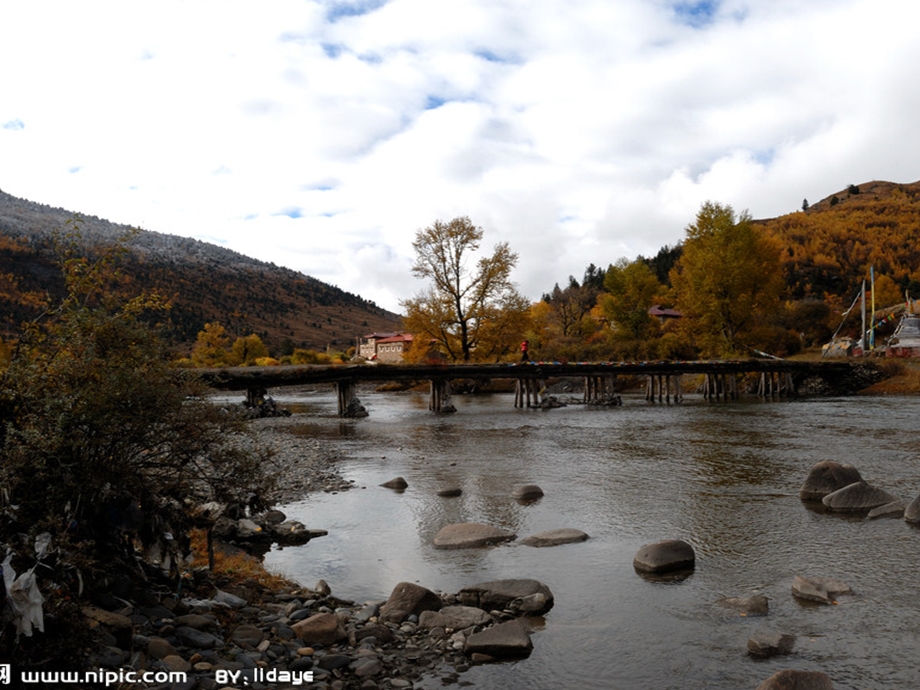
720, 387
529, 392
439, 398
600, 390
255, 396
660, 388
774, 383
348, 403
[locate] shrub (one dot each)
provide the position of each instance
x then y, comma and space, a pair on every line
107, 449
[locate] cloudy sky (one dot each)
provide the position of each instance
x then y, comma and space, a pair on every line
322, 134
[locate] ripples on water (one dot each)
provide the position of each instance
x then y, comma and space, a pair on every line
725, 477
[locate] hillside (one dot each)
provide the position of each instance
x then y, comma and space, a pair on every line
829, 248
207, 283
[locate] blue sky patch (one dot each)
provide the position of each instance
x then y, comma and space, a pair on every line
696, 14
433, 102
332, 50
15, 125
338, 9
291, 212
764, 157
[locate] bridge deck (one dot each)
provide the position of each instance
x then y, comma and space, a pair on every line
243, 378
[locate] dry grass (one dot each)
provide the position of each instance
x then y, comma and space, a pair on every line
235, 568
902, 378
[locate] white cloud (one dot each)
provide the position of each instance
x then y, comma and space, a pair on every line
322, 135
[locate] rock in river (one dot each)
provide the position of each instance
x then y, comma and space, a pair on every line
859, 497
755, 605
797, 680
912, 512
665, 556
527, 492
408, 599
511, 638
397, 484
454, 617
524, 595
820, 589
467, 535
765, 644
555, 537
827, 477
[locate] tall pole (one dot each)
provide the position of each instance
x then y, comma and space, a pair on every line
863, 343
872, 323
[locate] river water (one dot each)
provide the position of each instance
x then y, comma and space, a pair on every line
723, 477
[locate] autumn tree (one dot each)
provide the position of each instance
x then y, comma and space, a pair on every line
631, 288
212, 346
469, 312
571, 305
728, 281
247, 349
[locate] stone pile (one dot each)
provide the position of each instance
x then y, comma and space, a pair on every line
415, 633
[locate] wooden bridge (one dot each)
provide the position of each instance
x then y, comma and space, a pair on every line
720, 379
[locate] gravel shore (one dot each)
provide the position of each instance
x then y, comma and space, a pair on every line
304, 464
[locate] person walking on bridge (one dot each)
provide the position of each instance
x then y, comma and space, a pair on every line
525, 355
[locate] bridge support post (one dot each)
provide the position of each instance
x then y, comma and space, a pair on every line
528, 392
774, 383
600, 390
719, 387
661, 388
439, 398
348, 403
255, 396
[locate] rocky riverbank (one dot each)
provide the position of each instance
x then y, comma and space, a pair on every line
292, 636
227, 632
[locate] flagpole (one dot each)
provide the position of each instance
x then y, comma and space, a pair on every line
872, 327
863, 344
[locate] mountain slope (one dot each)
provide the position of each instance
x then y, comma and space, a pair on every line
207, 283
829, 248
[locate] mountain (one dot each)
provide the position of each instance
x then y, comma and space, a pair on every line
829, 247
208, 283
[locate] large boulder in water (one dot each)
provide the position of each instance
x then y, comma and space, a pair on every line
827, 477
859, 497
665, 556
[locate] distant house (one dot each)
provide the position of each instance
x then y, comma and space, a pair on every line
384, 347
367, 344
663, 314
391, 350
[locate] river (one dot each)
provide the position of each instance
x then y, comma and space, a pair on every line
722, 476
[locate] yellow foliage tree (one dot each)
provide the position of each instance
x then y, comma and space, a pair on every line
632, 289
246, 350
728, 281
471, 314
211, 347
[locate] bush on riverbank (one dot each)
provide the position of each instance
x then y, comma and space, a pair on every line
108, 452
